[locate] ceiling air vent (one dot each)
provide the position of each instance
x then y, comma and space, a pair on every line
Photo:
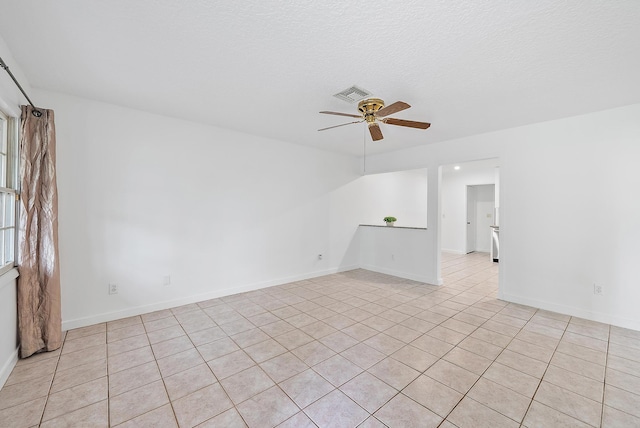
353, 94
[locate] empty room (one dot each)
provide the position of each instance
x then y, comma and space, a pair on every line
319, 214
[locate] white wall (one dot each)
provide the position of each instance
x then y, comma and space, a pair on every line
454, 203
10, 97
10, 100
401, 194
133, 202
568, 209
8, 324
144, 196
395, 251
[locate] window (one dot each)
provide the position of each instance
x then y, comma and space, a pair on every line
8, 190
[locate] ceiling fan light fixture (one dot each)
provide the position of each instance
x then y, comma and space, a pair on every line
373, 111
370, 107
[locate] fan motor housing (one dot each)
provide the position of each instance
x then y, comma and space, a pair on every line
370, 107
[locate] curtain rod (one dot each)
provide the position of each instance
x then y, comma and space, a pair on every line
35, 112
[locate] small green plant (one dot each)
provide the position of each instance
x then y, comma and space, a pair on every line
389, 219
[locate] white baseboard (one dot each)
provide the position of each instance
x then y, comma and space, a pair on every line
444, 250
405, 275
143, 309
138, 310
8, 366
573, 311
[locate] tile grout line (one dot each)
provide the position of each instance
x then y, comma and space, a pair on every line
242, 349
211, 370
106, 339
454, 346
155, 360
310, 367
132, 367
485, 370
606, 370
545, 372
421, 373
53, 375
458, 291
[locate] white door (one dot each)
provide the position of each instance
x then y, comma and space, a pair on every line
471, 219
485, 208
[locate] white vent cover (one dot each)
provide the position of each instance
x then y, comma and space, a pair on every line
353, 94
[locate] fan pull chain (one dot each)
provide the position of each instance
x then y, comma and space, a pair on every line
364, 150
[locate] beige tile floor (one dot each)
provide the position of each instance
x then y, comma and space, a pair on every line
345, 350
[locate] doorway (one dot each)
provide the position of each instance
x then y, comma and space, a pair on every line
480, 216
456, 211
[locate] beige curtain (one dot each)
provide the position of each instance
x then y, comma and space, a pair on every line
39, 311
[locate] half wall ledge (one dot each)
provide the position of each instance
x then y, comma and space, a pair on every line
393, 227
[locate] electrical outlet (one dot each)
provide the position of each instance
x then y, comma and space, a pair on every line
113, 288
598, 290
166, 280
319, 256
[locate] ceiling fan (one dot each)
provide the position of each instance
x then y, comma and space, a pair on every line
372, 111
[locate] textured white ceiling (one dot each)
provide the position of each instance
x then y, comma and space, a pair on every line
267, 67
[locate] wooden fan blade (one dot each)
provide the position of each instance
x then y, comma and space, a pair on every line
376, 133
392, 108
409, 123
341, 114
338, 126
